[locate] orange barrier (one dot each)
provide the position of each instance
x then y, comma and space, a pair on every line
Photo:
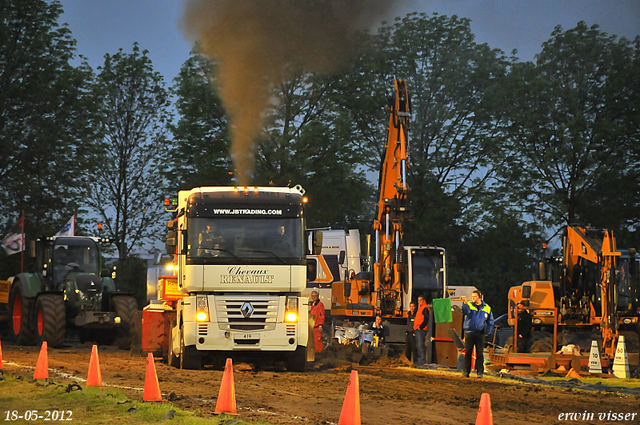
94, 378
151, 385
42, 367
485, 417
227, 395
350, 414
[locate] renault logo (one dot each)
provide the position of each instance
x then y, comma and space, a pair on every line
247, 309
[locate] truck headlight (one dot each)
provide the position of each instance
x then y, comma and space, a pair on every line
291, 313
291, 317
202, 309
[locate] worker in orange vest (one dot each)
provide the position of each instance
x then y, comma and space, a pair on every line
420, 326
317, 311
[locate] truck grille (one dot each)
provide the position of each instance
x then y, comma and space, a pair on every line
247, 313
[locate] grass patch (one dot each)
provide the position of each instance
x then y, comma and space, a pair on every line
89, 406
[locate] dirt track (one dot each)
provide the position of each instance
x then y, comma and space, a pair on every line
389, 393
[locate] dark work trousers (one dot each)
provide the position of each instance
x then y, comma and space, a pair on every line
421, 348
472, 339
410, 347
523, 341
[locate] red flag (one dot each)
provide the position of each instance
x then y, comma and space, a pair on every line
14, 241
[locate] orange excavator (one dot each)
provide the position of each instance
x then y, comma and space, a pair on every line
399, 273
593, 285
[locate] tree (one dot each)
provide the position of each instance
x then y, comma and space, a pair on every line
45, 117
200, 156
570, 145
127, 189
307, 141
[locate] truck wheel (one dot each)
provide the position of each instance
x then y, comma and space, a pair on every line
297, 361
172, 359
51, 321
20, 310
124, 306
188, 360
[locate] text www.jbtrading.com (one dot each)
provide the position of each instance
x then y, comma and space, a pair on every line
598, 416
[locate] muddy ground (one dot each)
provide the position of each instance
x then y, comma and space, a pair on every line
391, 392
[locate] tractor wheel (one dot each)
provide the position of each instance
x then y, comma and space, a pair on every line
51, 321
124, 306
20, 312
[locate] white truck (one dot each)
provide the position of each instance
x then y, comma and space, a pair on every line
240, 260
339, 259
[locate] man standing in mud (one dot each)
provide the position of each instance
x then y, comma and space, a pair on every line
420, 326
478, 321
410, 337
317, 312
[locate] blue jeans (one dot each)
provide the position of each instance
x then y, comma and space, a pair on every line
421, 335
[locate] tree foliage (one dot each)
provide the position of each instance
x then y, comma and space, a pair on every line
571, 141
200, 152
307, 141
46, 125
127, 189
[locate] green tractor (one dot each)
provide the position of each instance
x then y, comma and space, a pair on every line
68, 290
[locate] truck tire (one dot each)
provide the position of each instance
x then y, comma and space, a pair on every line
20, 309
188, 360
50, 320
297, 361
172, 359
124, 306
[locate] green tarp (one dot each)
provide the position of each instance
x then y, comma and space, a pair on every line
442, 310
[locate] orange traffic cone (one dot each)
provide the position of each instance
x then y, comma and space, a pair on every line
94, 378
350, 414
227, 395
151, 385
485, 417
42, 367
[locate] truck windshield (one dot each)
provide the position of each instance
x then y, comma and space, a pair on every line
259, 239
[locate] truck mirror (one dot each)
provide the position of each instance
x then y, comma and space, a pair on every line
32, 249
343, 255
172, 241
526, 291
317, 243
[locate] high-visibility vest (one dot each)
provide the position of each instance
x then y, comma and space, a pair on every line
420, 317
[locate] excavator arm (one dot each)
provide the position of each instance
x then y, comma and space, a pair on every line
392, 206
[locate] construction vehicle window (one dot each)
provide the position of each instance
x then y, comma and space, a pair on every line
312, 270
426, 271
